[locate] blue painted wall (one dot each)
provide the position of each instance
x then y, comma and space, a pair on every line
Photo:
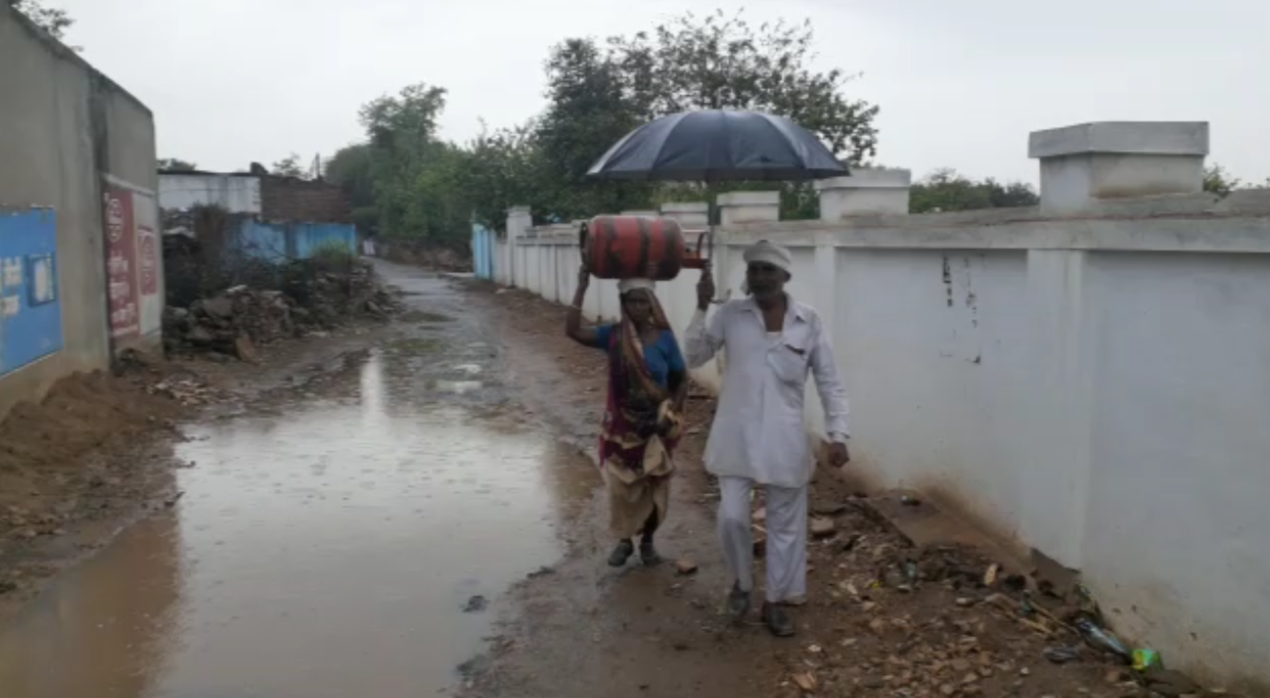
309, 237
263, 241
30, 309
278, 242
483, 251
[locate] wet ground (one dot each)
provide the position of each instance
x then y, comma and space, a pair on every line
340, 541
421, 516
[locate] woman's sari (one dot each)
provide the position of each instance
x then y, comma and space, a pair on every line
640, 432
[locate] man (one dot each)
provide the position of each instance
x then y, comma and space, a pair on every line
758, 438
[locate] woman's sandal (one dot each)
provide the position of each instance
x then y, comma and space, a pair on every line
648, 554
623, 552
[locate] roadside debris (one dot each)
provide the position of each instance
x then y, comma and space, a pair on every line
685, 566
236, 321
805, 682
885, 616
1144, 659
476, 604
822, 527
1103, 640
189, 391
1171, 683
1062, 655
990, 577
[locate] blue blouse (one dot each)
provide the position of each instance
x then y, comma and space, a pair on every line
663, 357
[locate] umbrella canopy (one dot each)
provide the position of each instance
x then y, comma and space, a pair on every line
716, 145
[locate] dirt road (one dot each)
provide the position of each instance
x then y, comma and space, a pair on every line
422, 516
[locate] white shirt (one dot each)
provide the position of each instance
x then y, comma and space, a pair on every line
758, 430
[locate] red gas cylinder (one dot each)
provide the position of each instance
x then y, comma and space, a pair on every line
629, 247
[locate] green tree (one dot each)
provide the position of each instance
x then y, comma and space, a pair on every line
350, 168
1011, 194
288, 167
506, 168
722, 62
589, 110
176, 165
417, 178
597, 92
53, 20
947, 190
718, 62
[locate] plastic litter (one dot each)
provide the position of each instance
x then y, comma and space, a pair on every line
1103, 639
1061, 655
1144, 659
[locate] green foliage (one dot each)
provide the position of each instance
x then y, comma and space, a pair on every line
589, 110
288, 167
53, 20
946, 190
722, 62
419, 187
416, 178
1218, 181
506, 168
350, 168
333, 255
596, 96
176, 165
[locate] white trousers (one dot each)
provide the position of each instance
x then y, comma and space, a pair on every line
786, 537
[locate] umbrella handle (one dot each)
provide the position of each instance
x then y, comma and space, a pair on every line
706, 239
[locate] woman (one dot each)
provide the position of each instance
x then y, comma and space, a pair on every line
648, 382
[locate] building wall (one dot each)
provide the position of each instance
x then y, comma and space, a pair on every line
234, 193
483, 261
1093, 387
30, 313
290, 199
67, 126
281, 242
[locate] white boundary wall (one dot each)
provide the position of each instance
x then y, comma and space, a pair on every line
1090, 378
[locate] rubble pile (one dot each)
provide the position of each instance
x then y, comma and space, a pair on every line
892, 619
234, 322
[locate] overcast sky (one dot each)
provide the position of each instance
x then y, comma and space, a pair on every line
960, 82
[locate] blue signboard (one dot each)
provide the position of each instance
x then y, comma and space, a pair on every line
30, 309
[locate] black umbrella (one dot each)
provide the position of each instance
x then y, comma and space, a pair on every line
716, 145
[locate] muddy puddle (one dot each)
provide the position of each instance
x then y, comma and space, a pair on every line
331, 548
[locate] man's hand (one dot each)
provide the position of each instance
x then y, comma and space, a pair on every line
838, 455
705, 289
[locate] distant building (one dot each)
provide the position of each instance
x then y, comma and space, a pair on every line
271, 217
269, 198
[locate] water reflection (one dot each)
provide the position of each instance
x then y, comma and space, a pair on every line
325, 551
104, 631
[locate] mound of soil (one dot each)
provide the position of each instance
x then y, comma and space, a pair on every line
56, 453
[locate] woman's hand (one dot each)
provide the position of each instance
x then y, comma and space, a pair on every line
705, 289
573, 328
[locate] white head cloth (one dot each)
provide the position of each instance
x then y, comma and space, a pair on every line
626, 285
769, 252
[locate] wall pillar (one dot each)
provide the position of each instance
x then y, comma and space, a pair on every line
1109, 160
749, 207
692, 215
519, 221
1057, 409
865, 192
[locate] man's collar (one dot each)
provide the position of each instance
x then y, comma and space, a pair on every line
791, 307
